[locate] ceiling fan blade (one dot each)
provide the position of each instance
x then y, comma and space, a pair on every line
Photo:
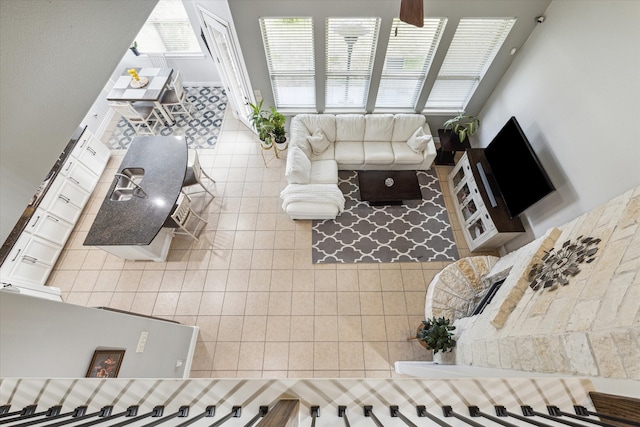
412, 12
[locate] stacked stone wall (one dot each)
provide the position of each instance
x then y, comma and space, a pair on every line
589, 327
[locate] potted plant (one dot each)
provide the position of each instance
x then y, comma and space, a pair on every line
463, 125
277, 120
260, 121
134, 48
436, 335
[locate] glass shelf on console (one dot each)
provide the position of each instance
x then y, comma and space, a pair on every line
458, 177
476, 228
463, 193
469, 209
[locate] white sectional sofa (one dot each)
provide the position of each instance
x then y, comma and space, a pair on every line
322, 144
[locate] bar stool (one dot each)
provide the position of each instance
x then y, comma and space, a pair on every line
196, 176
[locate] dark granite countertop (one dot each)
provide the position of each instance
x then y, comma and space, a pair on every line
138, 220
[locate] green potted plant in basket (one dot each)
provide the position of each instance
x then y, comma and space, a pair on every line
260, 121
436, 334
462, 125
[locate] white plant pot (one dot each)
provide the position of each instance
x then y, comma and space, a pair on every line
266, 145
281, 146
445, 358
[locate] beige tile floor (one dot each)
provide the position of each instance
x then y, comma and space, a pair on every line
263, 308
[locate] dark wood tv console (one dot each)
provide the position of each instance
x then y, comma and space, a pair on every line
482, 214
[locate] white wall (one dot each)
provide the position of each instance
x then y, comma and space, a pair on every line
50, 339
246, 14
56, 58
574, 88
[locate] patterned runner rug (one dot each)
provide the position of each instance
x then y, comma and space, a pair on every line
209, 105
418, 231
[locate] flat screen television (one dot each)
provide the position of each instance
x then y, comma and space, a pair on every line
516, 169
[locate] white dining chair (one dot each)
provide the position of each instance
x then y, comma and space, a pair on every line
187, 221
197, 176
143, 118
175, 100
158, 60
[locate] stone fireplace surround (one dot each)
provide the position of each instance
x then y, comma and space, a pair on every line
589, 327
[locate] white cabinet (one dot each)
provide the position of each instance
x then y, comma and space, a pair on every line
30, 261
41, 251
156, 251
36, 251
92, 153
79, 174
68, 201
12, 259
484, 226
47, 226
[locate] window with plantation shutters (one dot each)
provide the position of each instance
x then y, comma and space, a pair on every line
288, 46
407, 62
168, 30
472, 50
350, 51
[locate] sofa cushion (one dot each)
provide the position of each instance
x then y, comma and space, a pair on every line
298, 169
403, 155
324, 172
349, 152
318, 141
404, 125
305, 146
378, 153
328, 154
311, 210
350, 127
418, 141
318, 195
325, 122
378, 127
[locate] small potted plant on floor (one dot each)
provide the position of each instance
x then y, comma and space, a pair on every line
462, 125
260, 121
436, 335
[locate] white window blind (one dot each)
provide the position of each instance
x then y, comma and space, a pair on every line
350, 51
472, 50
168, 30
407, 62
288, 46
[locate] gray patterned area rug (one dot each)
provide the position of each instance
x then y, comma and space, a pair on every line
417, 231
209, 106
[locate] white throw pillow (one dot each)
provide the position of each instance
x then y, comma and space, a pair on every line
419, 141
298, 170
319, 142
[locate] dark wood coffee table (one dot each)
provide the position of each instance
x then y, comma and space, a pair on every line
388, 187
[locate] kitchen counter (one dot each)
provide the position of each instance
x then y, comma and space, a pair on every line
160, 164
33, 204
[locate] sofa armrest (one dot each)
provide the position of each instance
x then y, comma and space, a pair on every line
427, 129
429, 155
298, 134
